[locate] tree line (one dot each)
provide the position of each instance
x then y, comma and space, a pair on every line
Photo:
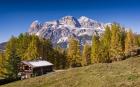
114, 44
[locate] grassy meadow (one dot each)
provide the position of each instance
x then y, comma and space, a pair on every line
118, 74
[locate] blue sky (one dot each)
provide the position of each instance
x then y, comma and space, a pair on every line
17, 15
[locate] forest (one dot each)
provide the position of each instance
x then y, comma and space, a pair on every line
115, 44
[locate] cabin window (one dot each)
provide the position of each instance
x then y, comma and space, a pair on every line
26, 68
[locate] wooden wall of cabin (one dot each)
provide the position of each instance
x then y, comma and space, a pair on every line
42, 70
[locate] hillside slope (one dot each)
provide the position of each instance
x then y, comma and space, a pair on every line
118, 74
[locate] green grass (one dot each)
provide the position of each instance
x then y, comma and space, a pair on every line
118, 74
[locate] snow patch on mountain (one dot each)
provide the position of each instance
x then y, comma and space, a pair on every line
59, 31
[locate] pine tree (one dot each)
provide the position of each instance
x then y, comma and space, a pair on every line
86, 55
64, 59
60, 58
46, 50
56, 59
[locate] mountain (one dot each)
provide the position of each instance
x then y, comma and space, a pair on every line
2, 46
60, 30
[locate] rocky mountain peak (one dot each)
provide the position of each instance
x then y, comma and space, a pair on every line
84, 18
58, 31
70, 20
88, 23
34, 27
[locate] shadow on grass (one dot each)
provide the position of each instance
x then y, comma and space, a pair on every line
6, 81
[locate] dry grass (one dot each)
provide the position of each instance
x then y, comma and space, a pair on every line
118, 74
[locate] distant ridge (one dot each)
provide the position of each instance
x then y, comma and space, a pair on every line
2, 46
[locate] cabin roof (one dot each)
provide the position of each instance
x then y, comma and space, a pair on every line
38, 63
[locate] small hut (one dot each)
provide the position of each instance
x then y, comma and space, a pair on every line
34, 68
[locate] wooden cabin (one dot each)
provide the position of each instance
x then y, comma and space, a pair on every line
34, 68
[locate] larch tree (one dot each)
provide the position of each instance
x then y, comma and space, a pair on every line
106, 40
116, 43
95, 50
130, 43
86, 55
73, 53
2, 57
123, 36
78, 55
12, 60
137, 39
23, 41
32, 51
1, 64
